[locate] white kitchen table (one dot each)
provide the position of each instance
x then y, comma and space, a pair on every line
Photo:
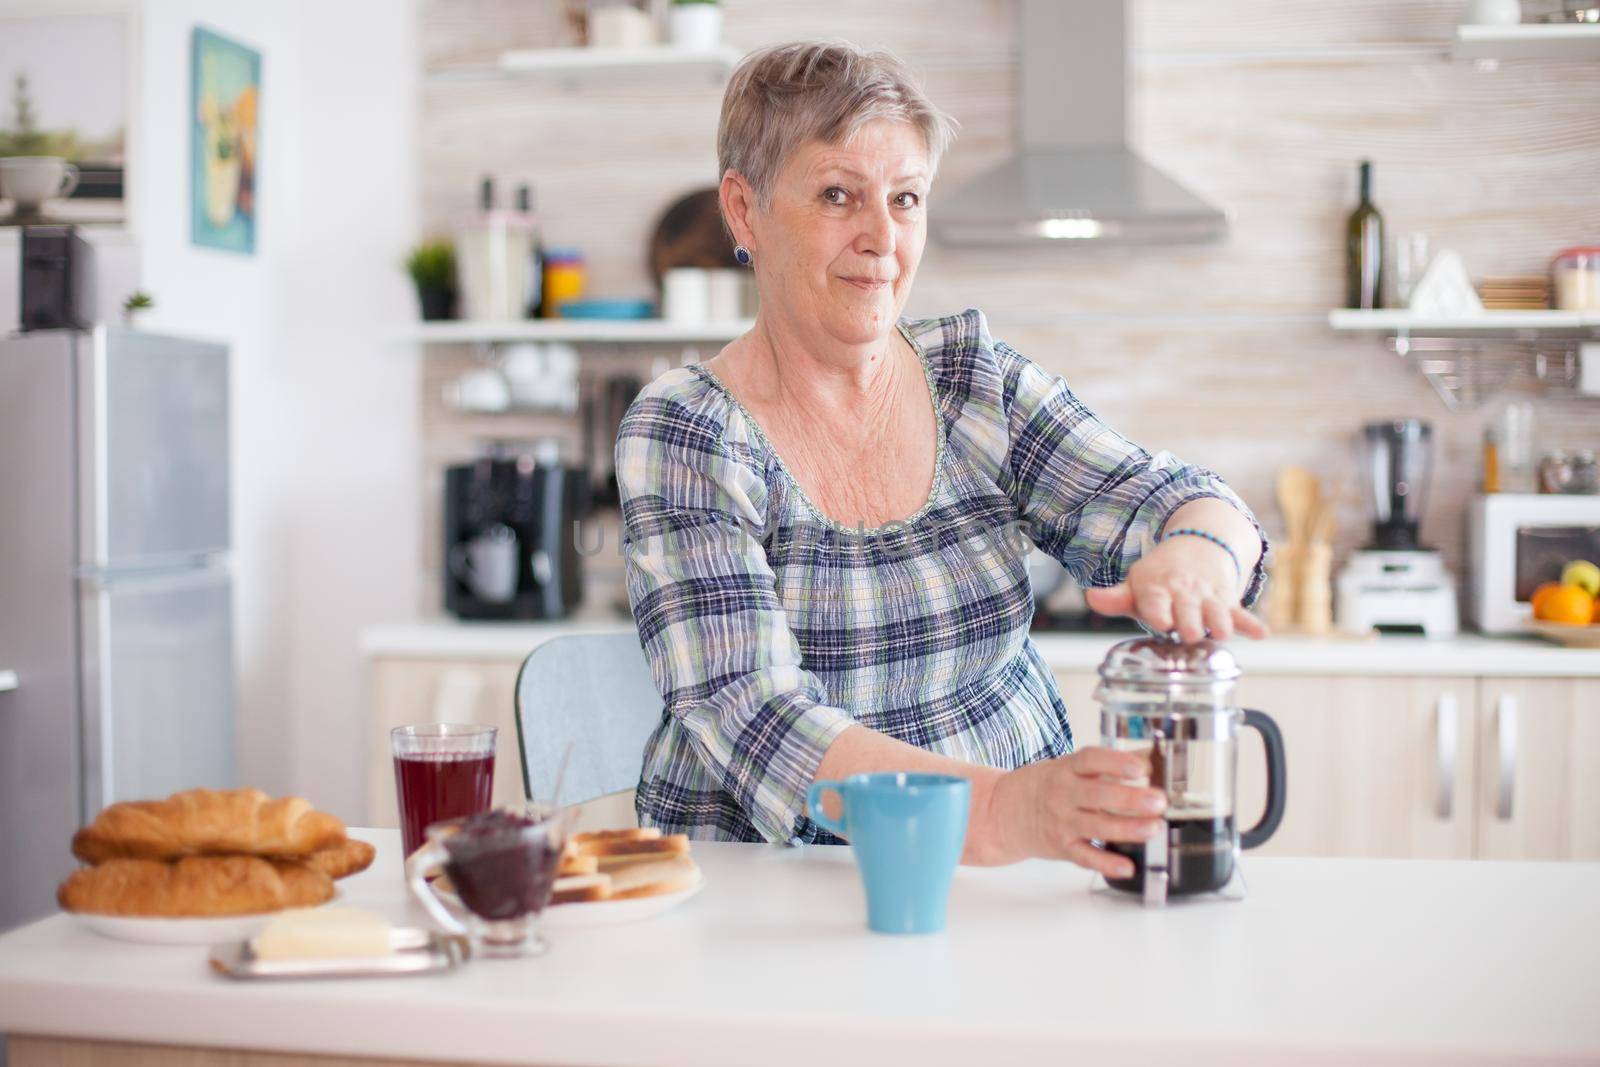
1327, 962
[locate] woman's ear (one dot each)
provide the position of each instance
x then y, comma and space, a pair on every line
738, 201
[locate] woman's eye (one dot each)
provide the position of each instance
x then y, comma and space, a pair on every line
907, 200
835, 195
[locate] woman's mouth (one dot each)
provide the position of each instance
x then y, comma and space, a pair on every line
869, 284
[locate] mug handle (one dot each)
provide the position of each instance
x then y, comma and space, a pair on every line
1277, 778
460, 565
418, 864
814, 802
69, 180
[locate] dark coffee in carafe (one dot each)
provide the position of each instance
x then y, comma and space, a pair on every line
1199, 857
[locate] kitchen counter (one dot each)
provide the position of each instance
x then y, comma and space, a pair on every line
1327, 962
1469, 654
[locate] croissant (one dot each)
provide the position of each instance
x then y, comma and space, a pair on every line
338, 861
197, 886
205, 821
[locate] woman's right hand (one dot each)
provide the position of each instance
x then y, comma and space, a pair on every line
1054, 808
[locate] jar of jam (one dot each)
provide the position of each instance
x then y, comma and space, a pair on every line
502, 866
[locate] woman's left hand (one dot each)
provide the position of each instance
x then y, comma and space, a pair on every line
1185, 584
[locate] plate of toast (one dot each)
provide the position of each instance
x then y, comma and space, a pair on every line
205, 865
618, 876
614, 876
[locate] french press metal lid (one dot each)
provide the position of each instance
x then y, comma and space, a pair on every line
1174, 700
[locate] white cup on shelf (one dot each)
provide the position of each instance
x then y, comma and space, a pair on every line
726, 294
479, 389
1495, 12
620, 25
695, 25
686, 295
28, 181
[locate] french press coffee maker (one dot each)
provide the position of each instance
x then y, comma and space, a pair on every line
1174, 701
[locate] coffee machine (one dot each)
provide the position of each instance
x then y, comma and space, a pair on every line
511, 549
57, 279
1395, 584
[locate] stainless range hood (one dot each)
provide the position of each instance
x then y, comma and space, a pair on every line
1074, 178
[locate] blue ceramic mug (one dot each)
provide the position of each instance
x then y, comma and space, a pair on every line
907, 831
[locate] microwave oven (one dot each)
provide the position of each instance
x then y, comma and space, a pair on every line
1516, 542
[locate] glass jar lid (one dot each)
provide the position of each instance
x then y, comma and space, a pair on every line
1163, 661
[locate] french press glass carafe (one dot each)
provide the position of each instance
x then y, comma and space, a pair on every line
1174, 701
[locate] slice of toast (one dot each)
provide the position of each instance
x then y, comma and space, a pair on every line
631, 833
574, 864
654, 878
620, 850
581, 889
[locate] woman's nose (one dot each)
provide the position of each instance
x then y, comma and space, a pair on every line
877, 232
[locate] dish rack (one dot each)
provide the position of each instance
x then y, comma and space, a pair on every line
1469, 358
1466, 373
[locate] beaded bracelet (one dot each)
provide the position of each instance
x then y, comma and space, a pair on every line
1214, 539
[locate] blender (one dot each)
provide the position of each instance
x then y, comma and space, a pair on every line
1174, 701
1395, 584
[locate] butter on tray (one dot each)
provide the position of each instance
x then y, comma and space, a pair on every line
323, 933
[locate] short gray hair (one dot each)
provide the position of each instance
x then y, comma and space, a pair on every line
783, 96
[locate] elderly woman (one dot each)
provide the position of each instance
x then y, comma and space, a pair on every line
821, 525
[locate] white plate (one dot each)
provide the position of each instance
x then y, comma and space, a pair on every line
596, 912
155, 931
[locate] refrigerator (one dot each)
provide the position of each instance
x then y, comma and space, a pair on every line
116, 592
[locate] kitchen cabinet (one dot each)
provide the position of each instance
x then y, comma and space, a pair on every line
445, 690
1539, 765
1377, 766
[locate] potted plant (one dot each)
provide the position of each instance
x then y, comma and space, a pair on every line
695, 24
432, 266
136, 302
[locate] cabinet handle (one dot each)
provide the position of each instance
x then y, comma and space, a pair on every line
1505, 714
1444, 803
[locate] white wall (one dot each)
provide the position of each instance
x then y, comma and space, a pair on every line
350, 512
325, 408
231, 297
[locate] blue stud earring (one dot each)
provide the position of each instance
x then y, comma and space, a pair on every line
742, 254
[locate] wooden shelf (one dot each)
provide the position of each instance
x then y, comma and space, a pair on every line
717, 61
1514, 324
1534, 40
573, 331
581, 68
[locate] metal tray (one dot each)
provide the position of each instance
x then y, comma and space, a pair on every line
415, 952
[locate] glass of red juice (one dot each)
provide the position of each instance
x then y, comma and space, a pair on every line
442, 771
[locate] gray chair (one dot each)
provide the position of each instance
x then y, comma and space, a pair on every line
595, 691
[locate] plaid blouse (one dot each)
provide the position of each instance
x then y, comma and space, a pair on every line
771, 629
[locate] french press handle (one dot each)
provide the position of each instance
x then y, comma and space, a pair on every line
1277, 778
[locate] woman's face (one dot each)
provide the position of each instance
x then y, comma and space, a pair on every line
840, 240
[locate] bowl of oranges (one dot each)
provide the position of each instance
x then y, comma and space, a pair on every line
1569, 610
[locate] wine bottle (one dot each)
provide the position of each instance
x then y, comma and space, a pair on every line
533, 299
1364, 249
